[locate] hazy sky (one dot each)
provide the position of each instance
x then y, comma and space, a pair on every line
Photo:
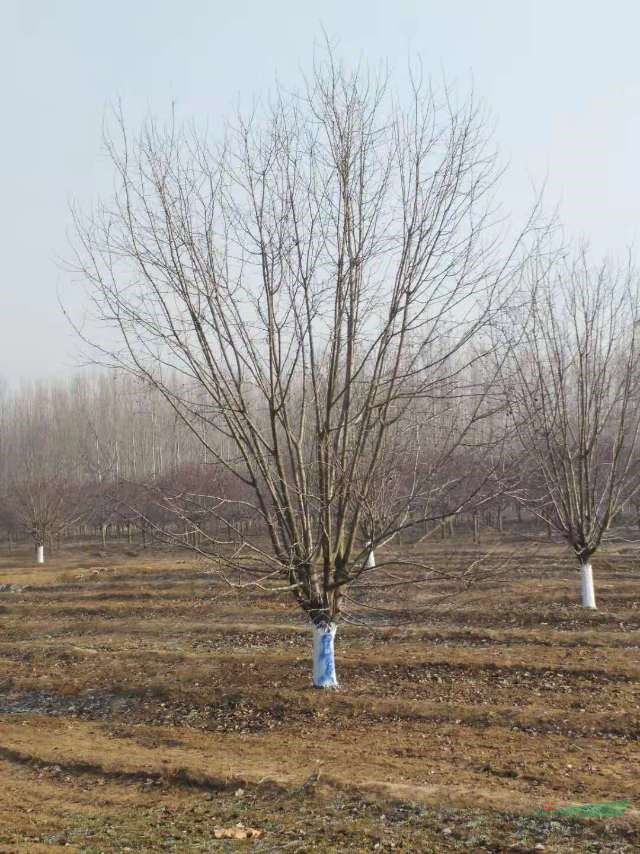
562, 78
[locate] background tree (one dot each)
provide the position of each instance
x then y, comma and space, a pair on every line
572, 385
44, 483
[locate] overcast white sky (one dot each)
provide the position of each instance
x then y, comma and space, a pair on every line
562, 78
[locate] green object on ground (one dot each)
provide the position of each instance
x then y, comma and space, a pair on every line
608, 809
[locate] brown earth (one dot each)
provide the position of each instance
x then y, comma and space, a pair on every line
143, 705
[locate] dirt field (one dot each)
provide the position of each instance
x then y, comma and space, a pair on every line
143, 707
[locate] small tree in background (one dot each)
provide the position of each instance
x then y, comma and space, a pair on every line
572, 385
45, 488
45, 505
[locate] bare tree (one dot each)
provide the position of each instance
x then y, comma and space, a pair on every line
44, 490
45, 505
572, 385
318, 284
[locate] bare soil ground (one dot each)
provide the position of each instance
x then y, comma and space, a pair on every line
144, 706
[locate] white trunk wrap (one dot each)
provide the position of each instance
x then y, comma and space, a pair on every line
371, 559
586, 584
324, 666
40, 554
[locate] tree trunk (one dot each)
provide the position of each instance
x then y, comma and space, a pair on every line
586, 584
103, 530
476, 528
39, 554
324, 666
371, 559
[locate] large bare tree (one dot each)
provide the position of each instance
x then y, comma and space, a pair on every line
314, 291
572, 385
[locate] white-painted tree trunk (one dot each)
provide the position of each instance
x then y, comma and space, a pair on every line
371, 559
586, 584
40, 554
324, 664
